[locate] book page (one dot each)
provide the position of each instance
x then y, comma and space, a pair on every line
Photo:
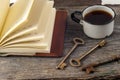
47, 35
43, 46
39, 20
24, 50
44, 17
18, 14
42, 26
49, 31
31, 20
21, 34
4, 8
28, 39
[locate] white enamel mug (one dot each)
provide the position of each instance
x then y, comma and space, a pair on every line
96, 31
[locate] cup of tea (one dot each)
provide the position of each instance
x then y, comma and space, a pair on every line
97, 21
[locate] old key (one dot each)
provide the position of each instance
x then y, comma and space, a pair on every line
90, 68
77, 41
77, 61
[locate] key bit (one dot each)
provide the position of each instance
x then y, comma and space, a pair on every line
61, 66
102, 43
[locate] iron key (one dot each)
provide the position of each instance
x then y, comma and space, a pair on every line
77, 41
77, 61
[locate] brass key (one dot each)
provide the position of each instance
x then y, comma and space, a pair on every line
77, 41
77, 61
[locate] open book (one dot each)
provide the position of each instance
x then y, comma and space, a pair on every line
26, 26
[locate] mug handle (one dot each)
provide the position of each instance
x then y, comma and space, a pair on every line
74, 18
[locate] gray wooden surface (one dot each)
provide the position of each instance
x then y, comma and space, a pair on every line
14, 68
71, 3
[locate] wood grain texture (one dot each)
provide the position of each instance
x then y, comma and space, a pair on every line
14, 68
70, 3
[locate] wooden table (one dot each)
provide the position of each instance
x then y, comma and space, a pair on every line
14, 68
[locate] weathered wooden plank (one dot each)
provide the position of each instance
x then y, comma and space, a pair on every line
70, 3
14, 68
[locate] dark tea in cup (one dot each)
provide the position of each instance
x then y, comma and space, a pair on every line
98, 17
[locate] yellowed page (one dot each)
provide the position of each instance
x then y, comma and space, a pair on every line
42, 26
24, 50
49, 31
49, 16
32, 19
34, 16
21, 34
18, 15
39, 46
4, 8
28, 39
